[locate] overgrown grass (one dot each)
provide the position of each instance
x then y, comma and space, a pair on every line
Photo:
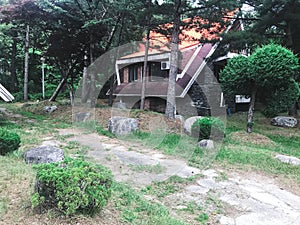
17, 181
261, 156
286, 145
179, 145
164, 188
136, 210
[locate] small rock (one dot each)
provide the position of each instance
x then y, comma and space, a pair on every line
284, 121
211, 173
44, 154
197, 189
224, 220
50, 109
208, 183
288, 159
188, 124
208, 144
122, 125
81, 116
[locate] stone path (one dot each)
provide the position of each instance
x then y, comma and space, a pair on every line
128, 165
254, 199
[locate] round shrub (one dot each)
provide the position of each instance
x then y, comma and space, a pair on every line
9, 141
208, 128
72, 186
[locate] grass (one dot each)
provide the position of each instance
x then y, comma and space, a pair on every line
260, 156
167, 187
128, 205
179, 145
13, 175
136, 210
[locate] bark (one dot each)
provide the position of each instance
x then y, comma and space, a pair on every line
251, 108
92, 76
145, 70
57, 90
93, 91
171, 101
13, 74
26, 64
84, 93
65, 76
112, 34
113, 78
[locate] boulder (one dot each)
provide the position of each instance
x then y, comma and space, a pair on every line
122, 125
81, 116
44, 154
50, 109
284, 121
205, 143
288, 159
187, 127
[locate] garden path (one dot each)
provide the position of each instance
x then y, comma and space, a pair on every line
249, 198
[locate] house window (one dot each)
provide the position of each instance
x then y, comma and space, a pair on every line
156, 72
133, 73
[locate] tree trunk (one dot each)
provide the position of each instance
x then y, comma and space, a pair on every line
57, 90
113, 77
171, 99
93, 92
26, 64
84, 91
13, 74
293, 110
251, 108
145, 70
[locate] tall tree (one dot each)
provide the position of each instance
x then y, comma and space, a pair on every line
171, 101
270, 68
264, 20
211, 11
26, 62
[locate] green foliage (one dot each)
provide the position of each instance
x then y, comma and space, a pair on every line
272, 63
234, 77
203, 218
282, 99
141, 134
102, 131
271, 69
169, 143
72, 186
9, 141
208, 127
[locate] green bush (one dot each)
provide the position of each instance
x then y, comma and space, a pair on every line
72, 186
208, 128
9, 141
282, 99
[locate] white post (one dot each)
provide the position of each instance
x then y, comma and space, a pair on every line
43, 76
